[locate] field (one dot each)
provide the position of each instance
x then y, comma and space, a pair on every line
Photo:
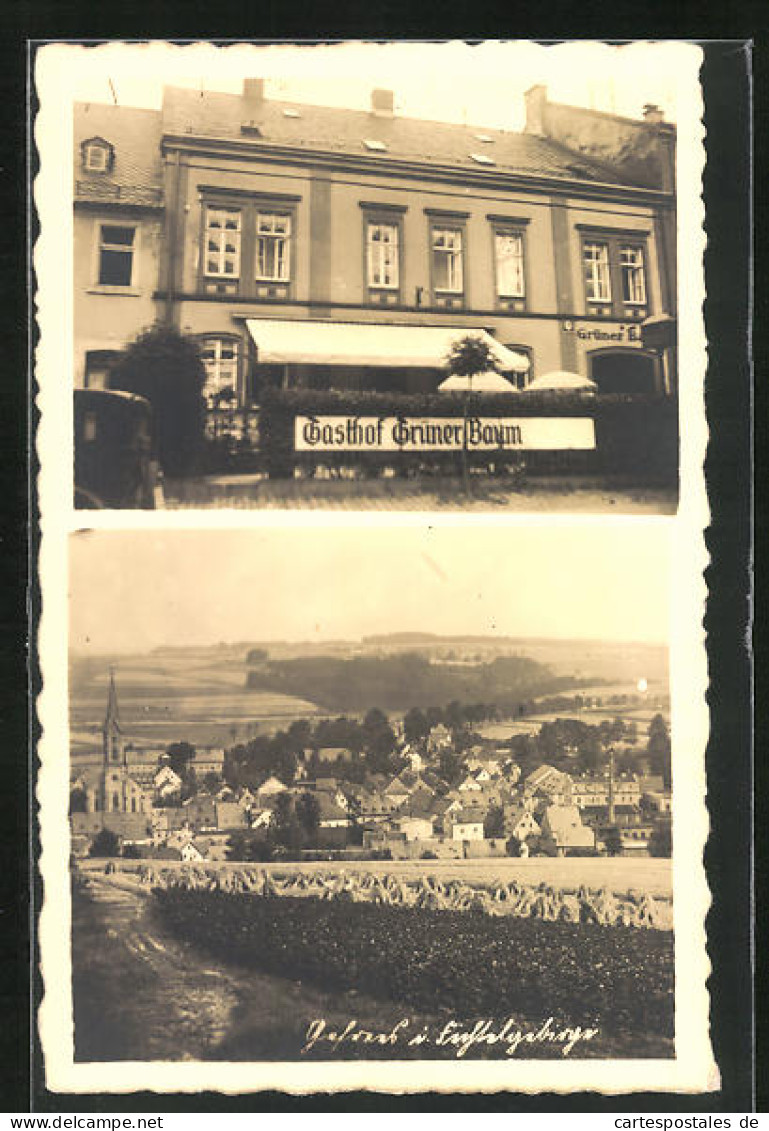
201, 975
200, 694
193, 695
619, 874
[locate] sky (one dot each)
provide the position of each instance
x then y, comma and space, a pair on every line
186, 587
482, 84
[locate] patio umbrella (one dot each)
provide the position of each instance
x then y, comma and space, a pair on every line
561, 379
487, 382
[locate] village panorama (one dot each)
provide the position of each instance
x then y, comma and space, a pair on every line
297, 852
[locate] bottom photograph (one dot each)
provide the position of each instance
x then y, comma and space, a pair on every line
385, 793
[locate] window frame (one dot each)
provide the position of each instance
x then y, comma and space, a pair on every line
221, 276
382, 214
96, 144
448, 220
247, 283
241, 357
447, 229
521, 380
599, 245
640, 247
616, 241
373, 224
276, 237
125, 249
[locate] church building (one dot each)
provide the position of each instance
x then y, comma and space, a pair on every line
113, 799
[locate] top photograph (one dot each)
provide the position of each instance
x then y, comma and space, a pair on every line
386, 276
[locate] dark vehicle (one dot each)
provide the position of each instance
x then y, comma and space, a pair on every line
114, 464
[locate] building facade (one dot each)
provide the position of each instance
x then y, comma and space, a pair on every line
292, 235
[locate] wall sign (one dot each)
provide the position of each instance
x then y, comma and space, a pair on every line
442, 433
613, 332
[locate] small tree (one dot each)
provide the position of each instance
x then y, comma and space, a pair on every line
105, 843
179, 756
78, 802
469, 356
166, 367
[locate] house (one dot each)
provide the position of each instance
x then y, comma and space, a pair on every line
549, 786
269, 789
334, 753
194, 851
166, 782
439, 739
209, 760
200, 811
261, 818
230, 815
414, 828
330, 814
563, 831
118, 232
520, 823
467, 825
470, 785
395, 793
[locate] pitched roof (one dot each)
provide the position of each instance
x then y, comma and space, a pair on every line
212, 114
136, 176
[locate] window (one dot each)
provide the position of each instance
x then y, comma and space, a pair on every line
96, 158
597, 279
508, 250
382, 255
614, 262
246, 244
221, 358
273, 234
116, 255
633, 275
447, 260
97, 155
222, 242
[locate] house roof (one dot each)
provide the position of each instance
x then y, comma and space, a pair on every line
212, 114
136, 176
328, 810
468, 817
566, 826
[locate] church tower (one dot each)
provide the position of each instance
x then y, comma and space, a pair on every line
113, 743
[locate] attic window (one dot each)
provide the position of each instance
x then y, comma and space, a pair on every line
97, 155
482, 159
291, 114
377, 146
484, 138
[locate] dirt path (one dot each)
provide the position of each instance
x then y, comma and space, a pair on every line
138, 993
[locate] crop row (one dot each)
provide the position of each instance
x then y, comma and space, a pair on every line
470, 964
496, 899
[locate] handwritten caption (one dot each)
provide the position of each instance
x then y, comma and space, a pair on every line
458, 1038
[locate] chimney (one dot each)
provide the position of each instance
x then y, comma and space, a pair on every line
612, 813
253, 97
536, 103
382, 103
652, 114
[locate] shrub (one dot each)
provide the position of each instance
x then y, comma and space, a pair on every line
166, 367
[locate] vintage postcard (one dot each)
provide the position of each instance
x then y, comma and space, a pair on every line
374, 676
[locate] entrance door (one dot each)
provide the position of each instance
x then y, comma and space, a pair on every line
624, 371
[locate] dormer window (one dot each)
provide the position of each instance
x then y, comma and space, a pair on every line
98, 155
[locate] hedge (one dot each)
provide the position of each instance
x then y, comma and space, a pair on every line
636, 437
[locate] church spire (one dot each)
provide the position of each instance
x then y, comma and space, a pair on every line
112, 719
